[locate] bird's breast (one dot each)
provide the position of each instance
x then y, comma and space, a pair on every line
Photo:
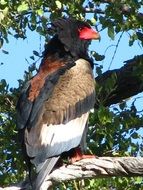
75, 85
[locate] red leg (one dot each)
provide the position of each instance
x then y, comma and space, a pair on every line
79, 156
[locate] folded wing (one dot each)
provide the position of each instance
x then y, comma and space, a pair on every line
62, 114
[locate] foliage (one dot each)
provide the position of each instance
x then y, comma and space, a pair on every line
113, 131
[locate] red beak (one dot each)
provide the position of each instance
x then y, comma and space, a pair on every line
88, 34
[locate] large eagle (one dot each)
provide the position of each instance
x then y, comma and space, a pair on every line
53, 108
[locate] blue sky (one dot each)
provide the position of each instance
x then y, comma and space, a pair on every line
15, 62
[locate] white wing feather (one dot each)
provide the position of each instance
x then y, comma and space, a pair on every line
58, 138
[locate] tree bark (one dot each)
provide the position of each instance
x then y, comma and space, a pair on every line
90, 168
128, 81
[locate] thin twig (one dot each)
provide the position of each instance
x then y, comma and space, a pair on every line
116, 47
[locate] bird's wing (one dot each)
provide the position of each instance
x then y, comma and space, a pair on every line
37, 91
58, 118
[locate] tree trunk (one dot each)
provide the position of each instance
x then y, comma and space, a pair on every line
126, 82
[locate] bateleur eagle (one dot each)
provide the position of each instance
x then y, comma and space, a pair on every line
53, 108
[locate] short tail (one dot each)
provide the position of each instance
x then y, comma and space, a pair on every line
43, 170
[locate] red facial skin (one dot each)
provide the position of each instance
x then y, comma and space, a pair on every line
88, 34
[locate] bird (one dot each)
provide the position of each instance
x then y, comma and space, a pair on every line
53, 107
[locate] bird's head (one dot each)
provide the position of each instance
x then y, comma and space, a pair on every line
75, 35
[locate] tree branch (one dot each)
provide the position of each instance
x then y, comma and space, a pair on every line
128, 81
91, 168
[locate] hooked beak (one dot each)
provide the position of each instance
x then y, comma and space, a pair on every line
89, 34
96, 35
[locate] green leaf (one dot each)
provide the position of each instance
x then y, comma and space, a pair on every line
135, 135
104, 115
23, 7
138, 180
131, 42
39, 29
3, 83
122, 105
32, 57
93, 21
111, 32
1, 16
5, 11
5, 52
3, 2
36, 53
1, 42
99, 69
97, 56
40, 12
58, 4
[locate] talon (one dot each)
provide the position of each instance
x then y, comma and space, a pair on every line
79, 156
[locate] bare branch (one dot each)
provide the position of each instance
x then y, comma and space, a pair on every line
92, 168
129, 82
98, 167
